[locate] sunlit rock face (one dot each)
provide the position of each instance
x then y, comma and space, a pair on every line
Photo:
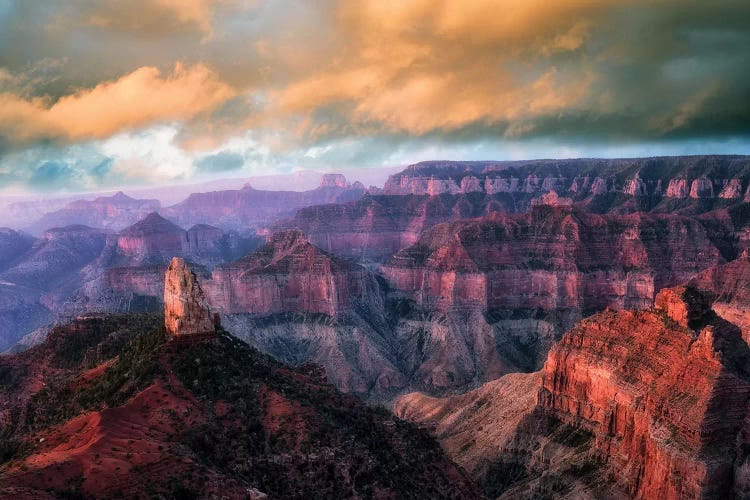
289, 274
489, 296
635, 404
684, 177
186, 310
727, 287
665, 402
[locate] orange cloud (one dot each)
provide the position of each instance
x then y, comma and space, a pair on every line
137, 99
417, 66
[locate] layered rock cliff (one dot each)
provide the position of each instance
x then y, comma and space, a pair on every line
376, 227
636, 404
489, 296
300, 304
289, 274
693, 177
727, 288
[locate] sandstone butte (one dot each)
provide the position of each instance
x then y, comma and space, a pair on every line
186, 310
630, 404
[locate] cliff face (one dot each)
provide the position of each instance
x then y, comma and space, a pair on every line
727, 288
637, 404
296, 302
186, 311
376, 227
693, 177
664, 402
552, 258
149, 241
289, 274
486, 297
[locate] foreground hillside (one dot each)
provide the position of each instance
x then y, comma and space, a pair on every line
109, 407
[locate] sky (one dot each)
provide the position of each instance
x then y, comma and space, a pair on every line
102, 94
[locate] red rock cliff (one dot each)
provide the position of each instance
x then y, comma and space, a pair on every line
288, 274
665, 403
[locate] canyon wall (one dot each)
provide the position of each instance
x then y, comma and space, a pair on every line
635, 404
694, 177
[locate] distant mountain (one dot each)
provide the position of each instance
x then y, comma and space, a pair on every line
107, 212
252, 208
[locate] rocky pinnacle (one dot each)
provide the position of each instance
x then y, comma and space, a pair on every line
186, 311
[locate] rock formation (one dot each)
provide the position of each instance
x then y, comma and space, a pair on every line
186, 310
691, 177
288, 274
149, 241
637, 404
334, 181
664, 402
727, 288
300, 304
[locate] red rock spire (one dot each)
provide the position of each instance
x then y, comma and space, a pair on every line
186, 311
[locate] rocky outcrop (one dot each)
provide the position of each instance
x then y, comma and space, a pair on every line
334, 181
489, 296
727, 288
553, 200
186, 310
732, 189
636, 187
300, 304
636, 404
289, 274
702, 188
664, 402
152, 240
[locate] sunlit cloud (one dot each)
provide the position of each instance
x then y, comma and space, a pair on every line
247, 86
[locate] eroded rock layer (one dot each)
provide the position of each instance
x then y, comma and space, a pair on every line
630, 404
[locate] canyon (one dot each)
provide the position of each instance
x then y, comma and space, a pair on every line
638, 404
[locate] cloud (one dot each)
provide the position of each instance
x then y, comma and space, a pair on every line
137, 99
365, 82
220, 162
